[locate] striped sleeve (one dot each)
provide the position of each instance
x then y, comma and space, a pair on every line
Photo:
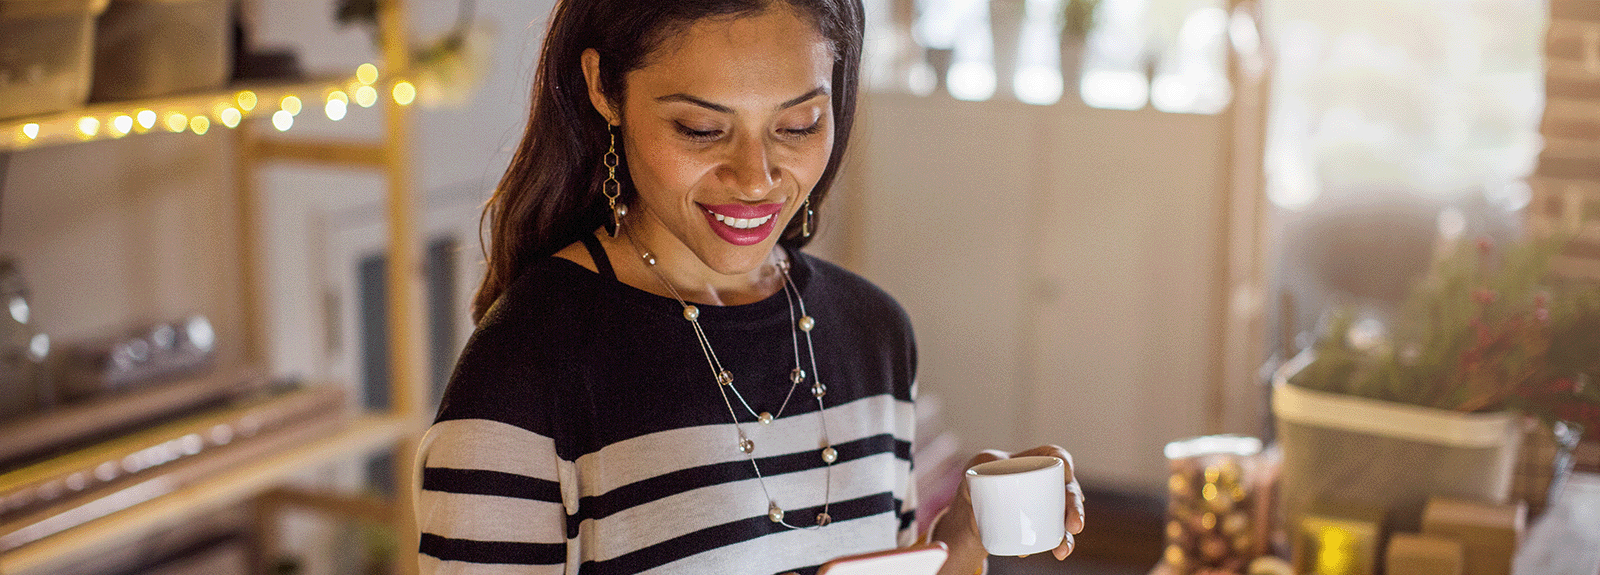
906, 429
490, 501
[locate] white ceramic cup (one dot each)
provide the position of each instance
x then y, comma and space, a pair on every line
1020, 504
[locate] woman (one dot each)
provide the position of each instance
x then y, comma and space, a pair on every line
660, 381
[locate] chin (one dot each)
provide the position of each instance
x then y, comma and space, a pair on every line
734, 260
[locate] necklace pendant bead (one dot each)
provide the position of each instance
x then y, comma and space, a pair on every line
818, 390
765, 418
691, 313
649, 258
745, 445
774, 512
823, 519
829, 455
725, 377
806, 323
797, 376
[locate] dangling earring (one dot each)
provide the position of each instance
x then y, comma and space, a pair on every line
611, 187
805, 225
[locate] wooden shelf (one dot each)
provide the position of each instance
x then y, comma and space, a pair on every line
251, 99
169, 498
217, 491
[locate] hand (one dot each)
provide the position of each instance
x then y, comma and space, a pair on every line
959, 528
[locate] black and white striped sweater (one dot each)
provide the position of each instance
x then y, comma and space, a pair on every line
583, 432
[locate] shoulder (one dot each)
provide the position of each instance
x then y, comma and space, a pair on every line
858, 297
873, 324
575, 252
512, 362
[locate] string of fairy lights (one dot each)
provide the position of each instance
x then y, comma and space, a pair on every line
198, 115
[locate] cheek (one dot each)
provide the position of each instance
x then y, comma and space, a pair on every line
812, 160
664, 170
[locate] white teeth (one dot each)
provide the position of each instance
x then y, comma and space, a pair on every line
741, 223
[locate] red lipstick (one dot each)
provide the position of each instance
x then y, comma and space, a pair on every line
742, 224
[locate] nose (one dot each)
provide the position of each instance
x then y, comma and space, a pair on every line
749, 170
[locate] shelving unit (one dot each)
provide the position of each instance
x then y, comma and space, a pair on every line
229, 488
239, 111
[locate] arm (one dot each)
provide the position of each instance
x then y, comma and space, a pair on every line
490, 501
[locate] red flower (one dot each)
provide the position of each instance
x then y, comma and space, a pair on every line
1564, 385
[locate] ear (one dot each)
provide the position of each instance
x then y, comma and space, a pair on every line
591, 77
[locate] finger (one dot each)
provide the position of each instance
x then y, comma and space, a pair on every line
1055, 451
963, 502
982, 457
1065, 548
1074, 508
986, 456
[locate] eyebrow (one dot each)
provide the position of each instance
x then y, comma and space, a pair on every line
719, 108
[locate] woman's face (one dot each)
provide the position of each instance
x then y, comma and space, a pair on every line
727, 128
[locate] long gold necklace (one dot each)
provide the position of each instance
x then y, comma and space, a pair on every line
724, 379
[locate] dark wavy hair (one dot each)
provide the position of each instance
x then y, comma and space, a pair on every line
551, 193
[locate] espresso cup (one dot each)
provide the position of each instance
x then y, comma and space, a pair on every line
1020, 504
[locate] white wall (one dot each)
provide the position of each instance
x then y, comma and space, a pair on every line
1059, 265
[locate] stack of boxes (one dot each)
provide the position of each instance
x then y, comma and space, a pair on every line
1458, 537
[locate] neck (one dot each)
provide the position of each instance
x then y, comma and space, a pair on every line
677, 265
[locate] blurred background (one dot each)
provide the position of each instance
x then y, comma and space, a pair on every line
1111, 221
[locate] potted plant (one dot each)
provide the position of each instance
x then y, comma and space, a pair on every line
1385, 416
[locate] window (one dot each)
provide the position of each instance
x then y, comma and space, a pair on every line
1169, 54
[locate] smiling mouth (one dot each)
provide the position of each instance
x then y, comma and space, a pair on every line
741, 223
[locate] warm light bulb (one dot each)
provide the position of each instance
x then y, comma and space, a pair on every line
122, 124
199, 124
230, 117
147, 118
177, 122
282, 120
404, 93
88, 126
335, 109
366, 96
291, 104
367, 74
247, 100
30, 130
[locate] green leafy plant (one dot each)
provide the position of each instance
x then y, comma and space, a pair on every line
1483, 330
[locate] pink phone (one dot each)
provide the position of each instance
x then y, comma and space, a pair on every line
915, 560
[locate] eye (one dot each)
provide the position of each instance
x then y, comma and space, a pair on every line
698, 135
797, 133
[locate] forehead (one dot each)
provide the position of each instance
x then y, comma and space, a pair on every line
775, 53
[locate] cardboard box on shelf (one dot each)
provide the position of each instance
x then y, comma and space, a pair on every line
1419, 554
1488, 532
